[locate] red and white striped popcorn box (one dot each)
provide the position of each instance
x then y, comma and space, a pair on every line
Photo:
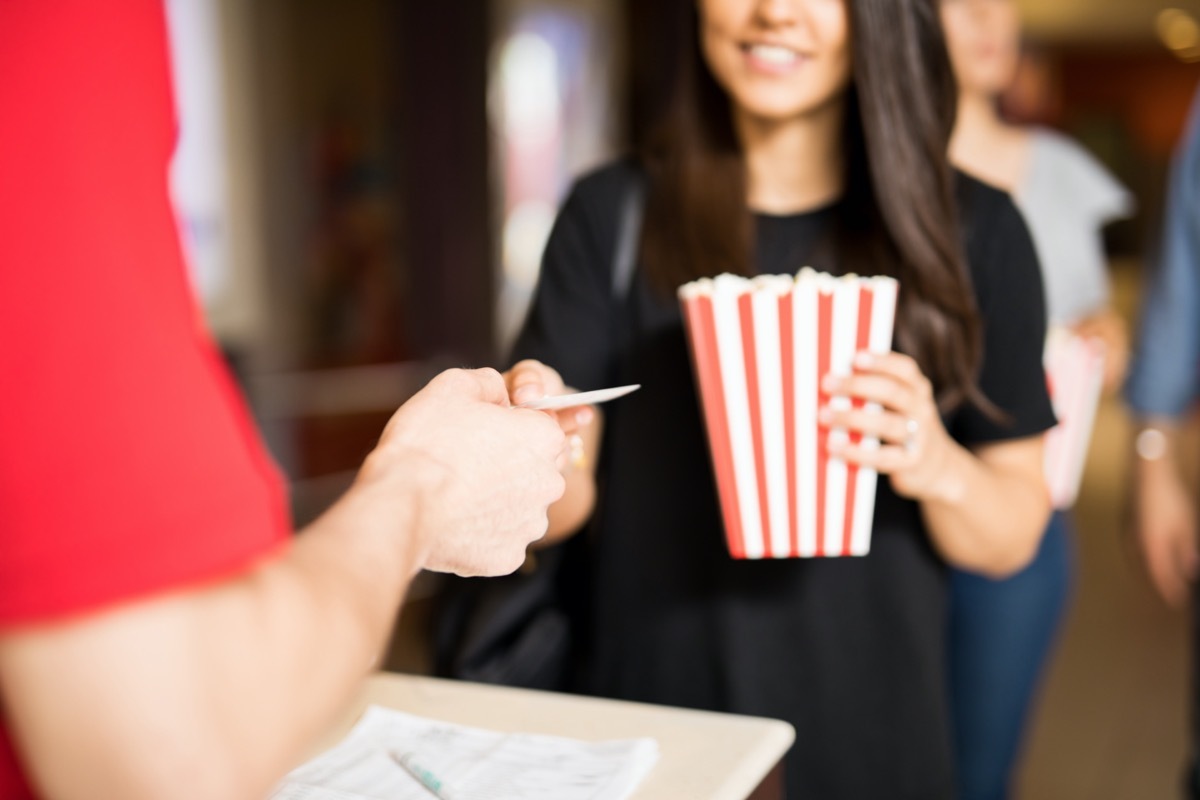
1075, 374
759, 349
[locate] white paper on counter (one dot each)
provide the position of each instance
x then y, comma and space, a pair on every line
469, 764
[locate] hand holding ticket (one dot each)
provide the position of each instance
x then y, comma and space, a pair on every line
576, 399
533, 385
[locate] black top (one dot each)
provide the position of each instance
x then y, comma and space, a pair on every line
849, 650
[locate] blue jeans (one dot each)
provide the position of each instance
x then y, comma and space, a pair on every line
1001, 633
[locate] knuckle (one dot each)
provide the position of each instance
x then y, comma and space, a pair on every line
453, 378
488, 375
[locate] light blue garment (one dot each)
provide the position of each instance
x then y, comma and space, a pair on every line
1066, 197
1164, 377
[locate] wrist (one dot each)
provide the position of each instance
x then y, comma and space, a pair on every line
1151, 444
359, 563
950, 486
389, 507
1154, 447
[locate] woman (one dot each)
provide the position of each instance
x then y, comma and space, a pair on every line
1001, 631
804, 132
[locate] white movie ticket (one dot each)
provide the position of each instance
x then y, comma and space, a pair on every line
560, 401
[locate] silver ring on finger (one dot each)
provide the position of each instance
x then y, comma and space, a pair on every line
911, 429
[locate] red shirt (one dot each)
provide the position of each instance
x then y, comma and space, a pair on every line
128, 464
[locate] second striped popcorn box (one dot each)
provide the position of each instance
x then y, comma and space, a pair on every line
1075, 375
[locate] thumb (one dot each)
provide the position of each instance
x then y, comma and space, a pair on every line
490, 386
485, 385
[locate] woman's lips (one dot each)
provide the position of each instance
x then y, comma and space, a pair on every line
772, 59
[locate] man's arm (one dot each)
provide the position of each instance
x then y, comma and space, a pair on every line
1162, 386
1164, 511
216, 691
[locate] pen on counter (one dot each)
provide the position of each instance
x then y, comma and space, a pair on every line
423, 776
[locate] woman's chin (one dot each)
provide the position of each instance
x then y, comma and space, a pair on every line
778, 111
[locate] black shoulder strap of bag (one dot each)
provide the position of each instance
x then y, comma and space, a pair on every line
514, 630
624, 267
629, 231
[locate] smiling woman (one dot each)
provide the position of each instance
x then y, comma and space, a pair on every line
870, 110
801, 132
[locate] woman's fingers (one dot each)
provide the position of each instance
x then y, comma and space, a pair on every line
573, 420
884, 459
895, 365
883, 425
891, 379
872, 387
531, 380
1108, 327
910, 439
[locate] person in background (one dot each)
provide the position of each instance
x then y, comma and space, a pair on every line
1002, 631
804, 132
161, 635
1163, 387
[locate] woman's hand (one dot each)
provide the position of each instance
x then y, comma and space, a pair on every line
533, 380
915, 449
1109, 328
985, 508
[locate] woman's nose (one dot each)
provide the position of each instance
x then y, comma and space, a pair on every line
778, 13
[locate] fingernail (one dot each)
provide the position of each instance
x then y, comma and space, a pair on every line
584, 415
523, 394
864, 359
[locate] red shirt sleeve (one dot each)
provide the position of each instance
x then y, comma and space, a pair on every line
128, 464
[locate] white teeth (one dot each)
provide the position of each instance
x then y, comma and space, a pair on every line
774, 54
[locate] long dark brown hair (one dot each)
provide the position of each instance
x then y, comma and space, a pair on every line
897, 215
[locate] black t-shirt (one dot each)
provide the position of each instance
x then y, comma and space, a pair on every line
849, 650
